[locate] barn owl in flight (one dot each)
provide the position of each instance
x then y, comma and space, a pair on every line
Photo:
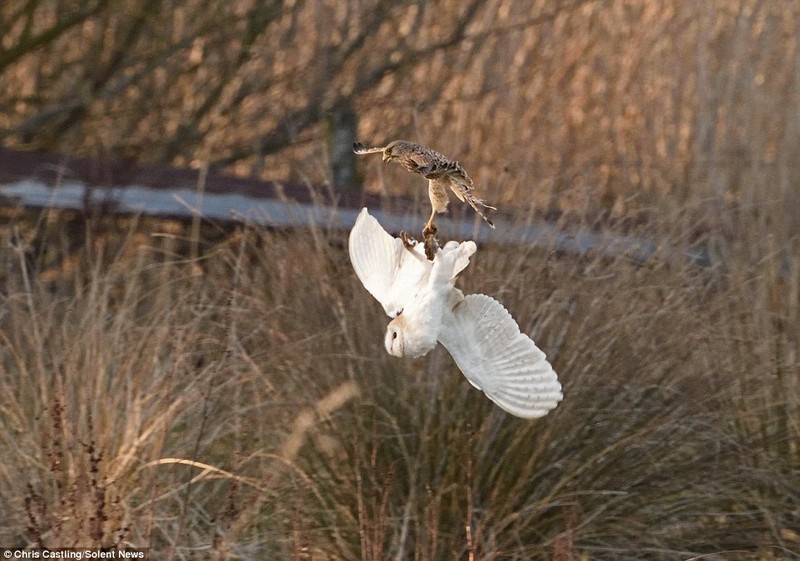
442, 174
425, 308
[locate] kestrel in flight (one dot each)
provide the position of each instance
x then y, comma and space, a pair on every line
442, 174
426, 308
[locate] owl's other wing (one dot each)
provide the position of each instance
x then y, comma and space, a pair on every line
450, 261
375, 256
488, 347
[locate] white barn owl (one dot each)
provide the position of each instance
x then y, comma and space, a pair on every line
425, 308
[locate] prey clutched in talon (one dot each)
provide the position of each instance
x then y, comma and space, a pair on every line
408, 243
431, 247
431, 243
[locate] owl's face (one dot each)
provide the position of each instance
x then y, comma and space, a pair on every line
405, 337
393, 341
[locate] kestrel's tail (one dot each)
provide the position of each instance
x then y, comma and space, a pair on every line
461, 185
359, 148
474, 202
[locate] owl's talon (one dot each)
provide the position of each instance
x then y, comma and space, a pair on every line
408, 243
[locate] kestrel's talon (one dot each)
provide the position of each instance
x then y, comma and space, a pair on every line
430, 230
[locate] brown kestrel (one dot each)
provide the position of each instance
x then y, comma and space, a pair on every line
440, 172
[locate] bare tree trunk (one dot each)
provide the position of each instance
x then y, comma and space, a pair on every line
342, 129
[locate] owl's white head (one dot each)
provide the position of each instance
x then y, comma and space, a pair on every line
393, 341
400, 341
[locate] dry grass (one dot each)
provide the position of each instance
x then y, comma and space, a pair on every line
240, 405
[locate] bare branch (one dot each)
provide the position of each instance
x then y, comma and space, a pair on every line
28, 43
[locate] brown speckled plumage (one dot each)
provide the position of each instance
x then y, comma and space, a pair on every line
442, 174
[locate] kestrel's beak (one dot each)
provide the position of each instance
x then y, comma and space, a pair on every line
386, 157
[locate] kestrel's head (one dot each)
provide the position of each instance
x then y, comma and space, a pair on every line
391, 152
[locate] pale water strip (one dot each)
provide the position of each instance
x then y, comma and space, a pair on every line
288, 214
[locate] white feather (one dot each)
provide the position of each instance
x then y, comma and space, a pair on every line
375, 255
392, 274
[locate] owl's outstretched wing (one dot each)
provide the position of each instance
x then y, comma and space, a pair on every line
375, 256
488, 347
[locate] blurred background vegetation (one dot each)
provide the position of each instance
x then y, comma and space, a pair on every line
236, 402
610, 104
